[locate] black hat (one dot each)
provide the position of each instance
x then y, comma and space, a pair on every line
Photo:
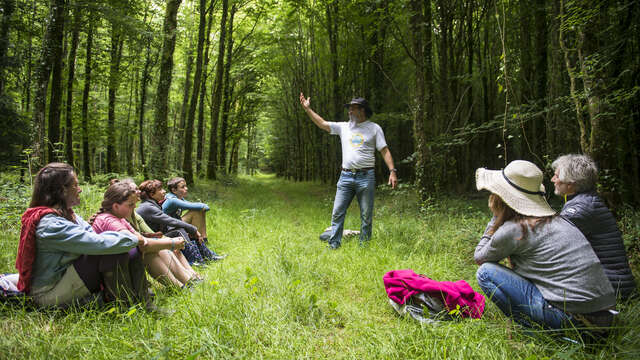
362, 102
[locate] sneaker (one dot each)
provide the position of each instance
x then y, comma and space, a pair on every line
218, 257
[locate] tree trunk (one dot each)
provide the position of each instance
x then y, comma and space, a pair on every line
185, 101
51, 62
26, 104
332, 30
187, 163
127, 146
555, 87
541, 44
117, 42
143, 105
573, 75
420, 25
233, 159
445, 96
227, 92
71, 66
8, 7
160, 128
86, 158
203, 91
216, 97
526, 71
251, 138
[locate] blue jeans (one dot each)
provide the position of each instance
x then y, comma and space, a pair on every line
520, 299
361, 184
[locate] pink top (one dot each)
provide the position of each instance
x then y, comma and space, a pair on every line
402, 284
109, 222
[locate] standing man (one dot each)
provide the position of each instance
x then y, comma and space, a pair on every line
360, 138
575, 178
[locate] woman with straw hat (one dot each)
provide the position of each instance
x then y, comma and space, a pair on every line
556, 280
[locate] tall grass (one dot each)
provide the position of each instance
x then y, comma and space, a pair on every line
282, 294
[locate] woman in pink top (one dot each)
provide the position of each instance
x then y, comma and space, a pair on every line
158, 255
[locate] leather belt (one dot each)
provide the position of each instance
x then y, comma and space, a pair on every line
357, 170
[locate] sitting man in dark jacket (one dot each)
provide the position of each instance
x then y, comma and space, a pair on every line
575, 178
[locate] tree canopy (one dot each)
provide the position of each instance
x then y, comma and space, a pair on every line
210, 87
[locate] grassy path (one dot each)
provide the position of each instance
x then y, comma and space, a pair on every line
282, 294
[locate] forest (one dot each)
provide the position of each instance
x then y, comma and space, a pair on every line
209, 88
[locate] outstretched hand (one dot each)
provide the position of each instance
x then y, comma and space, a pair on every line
305, 102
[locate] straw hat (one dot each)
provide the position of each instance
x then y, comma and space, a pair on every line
519, 185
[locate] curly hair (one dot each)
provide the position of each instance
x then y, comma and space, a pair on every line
148, 188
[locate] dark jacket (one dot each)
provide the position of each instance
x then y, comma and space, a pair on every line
152, 214
588, 212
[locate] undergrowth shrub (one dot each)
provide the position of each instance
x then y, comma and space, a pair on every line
629, 223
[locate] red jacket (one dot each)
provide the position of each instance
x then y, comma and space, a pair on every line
27, 247
402, 284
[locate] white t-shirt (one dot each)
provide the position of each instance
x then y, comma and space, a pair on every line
359, 140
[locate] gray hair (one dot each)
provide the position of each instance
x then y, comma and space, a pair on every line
580, 170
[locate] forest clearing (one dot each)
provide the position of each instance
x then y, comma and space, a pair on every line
281, 293
499, 140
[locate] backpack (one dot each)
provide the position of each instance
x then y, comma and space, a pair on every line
424, 308
9, 292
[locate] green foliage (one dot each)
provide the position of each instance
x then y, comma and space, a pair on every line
14, 198
14, 132
629, 223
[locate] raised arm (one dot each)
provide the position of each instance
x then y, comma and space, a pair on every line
317, 119
503, 243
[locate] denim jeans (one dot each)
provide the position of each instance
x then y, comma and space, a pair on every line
362, 185
520, 299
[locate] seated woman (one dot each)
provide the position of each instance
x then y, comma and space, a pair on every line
119, 201
152, 193
138, 223
61, 260
174, 203
556, 280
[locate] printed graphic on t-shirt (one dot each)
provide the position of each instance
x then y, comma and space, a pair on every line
357, 140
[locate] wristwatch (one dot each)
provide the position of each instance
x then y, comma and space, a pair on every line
393, 170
